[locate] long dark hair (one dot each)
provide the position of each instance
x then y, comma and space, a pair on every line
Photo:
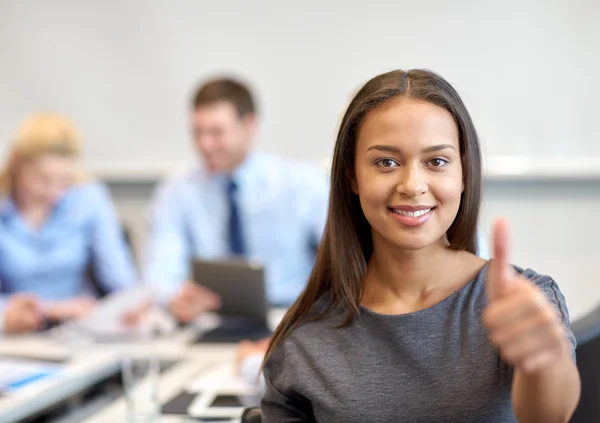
347, 245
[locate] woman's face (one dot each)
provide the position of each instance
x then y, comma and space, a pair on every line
408, 173
42, 181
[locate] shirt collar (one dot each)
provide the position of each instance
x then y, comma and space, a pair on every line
245, 170
243, 173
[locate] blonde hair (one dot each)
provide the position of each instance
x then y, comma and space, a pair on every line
38, 135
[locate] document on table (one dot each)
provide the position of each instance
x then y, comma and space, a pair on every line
106, 320
22, 376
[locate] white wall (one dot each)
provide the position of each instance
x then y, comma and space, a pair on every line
528, 71
555, 231
124, 69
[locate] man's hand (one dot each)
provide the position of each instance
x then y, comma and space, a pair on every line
22, 314
193, 300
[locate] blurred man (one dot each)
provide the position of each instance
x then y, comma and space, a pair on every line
235, 202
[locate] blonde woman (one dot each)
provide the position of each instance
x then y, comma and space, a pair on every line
54, 224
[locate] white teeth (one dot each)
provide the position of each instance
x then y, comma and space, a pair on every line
412, 214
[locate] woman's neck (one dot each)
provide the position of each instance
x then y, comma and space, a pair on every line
34, 214
400, 281
408, 272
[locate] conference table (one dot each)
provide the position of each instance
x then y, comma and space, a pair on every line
81, 373
197, 360
89, 363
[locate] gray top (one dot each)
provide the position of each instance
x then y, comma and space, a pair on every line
433, 365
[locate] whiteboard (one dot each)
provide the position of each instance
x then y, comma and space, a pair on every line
125, 70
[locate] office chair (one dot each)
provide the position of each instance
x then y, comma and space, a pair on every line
252, 415
587, 333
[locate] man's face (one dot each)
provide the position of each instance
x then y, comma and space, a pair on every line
222, 137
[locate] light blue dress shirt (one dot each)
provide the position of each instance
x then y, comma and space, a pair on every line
52, 261
283, 208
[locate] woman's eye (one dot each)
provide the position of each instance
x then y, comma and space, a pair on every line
387, 163
438, 162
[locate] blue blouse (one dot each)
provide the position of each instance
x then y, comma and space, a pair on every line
52, 261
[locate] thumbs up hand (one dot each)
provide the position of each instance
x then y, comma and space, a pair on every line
521, 321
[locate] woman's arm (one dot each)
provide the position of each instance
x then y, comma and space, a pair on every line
549, 395
111, 256
528, 320
276, 407
280, 403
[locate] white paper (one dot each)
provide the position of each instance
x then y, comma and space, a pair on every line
21, 376
107, 318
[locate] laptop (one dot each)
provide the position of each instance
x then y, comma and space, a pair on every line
241, 285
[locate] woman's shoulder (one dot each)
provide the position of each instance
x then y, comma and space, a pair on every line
533, 276
543, 282
307, 336
91, 191
86, 199
549, 287
90, 187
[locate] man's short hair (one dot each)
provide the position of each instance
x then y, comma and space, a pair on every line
228, 90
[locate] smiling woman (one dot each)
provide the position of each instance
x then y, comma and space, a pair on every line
408, 168
400, 320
